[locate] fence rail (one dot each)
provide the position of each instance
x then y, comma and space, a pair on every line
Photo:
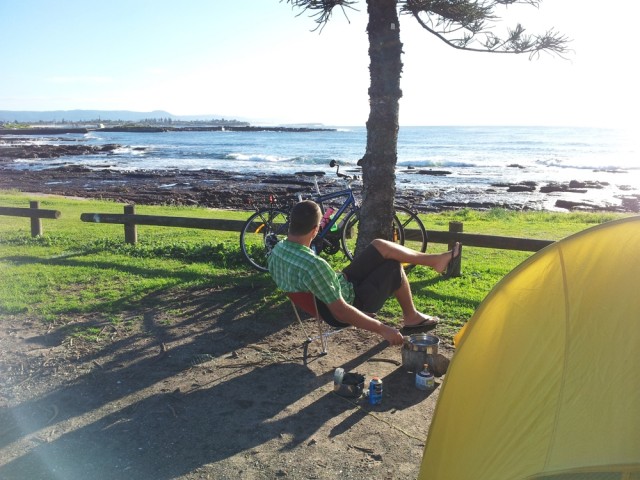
34, 212
455, 234
486, 241
161, 221
130, 219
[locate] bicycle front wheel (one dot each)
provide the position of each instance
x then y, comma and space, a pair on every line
260, 233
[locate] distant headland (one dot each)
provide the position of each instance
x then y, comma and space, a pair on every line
84, 121
147, 129
103, 116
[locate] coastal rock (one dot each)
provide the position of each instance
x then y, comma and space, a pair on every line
41, 131
557, 187
610, 170
433, 172
591, 207
569, 205
522, 187
631, 203
578, 184
526, 186
14, 152
134, 129
574, 186
476, 205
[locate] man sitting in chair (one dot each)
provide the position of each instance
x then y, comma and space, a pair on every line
349, 297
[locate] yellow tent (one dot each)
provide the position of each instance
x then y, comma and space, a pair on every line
545, 382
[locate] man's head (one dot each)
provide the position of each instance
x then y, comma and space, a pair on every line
305, 216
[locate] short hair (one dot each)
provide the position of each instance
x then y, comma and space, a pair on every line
305, 216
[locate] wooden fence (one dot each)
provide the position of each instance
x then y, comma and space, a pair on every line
34, 212
455, 233
130, 220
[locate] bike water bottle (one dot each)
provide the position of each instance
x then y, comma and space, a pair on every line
326, 217
334, 228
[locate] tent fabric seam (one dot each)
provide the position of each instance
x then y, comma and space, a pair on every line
567, 339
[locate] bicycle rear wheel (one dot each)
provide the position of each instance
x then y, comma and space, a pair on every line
260, 233
350, 233
414, 235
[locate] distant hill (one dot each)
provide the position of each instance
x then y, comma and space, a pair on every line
91, 115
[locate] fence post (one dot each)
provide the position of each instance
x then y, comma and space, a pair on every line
454, 229
130, 231
36, 222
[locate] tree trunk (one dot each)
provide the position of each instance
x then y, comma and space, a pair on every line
381, 156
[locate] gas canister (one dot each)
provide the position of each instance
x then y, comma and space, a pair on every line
375, 391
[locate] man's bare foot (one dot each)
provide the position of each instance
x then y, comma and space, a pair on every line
420, 320
446, 257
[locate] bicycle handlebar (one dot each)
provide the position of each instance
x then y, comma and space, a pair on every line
334, 163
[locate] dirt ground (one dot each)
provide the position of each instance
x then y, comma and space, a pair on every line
208, 393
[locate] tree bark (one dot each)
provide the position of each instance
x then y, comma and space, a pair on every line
381, 155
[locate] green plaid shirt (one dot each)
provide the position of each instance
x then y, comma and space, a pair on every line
295, 268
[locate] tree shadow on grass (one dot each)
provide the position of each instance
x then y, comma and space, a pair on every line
170, 433
217, 321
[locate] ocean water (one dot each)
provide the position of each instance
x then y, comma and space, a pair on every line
473, 157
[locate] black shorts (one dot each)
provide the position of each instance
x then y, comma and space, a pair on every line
374, 280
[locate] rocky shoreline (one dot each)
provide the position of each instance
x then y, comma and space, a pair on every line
222, 189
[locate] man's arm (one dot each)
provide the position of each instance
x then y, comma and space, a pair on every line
346, 313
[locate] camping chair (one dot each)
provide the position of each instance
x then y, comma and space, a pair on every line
306, 302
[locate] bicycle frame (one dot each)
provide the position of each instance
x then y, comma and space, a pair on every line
349, 202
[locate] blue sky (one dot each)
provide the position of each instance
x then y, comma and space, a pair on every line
257, 60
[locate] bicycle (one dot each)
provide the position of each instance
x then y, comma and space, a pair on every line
268, 225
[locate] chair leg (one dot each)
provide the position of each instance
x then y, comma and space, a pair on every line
324, 330
295, 310
322, 336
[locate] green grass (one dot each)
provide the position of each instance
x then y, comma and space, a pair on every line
77, 269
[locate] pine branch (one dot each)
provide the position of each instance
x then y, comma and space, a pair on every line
446, 17
322, 9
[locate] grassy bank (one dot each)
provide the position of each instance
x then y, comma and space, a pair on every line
78, 270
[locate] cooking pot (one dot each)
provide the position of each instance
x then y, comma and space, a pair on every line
417, 350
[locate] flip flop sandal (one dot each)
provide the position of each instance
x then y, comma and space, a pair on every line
425, 325
454, 263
